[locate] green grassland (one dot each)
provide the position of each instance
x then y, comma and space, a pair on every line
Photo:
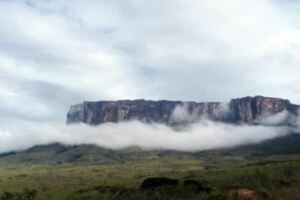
277, 177
271, 170
57, 182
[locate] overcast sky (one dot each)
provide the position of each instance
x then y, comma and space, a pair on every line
55, 53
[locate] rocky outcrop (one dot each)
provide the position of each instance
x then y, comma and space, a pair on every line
241, 110
251, 109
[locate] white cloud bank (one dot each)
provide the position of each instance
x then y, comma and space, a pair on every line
199, 136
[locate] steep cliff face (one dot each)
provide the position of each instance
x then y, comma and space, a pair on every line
242, 110
250, 109
167, 112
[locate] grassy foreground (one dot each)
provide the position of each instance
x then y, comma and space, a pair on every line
274, 177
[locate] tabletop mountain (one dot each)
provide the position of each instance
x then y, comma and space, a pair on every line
250, 110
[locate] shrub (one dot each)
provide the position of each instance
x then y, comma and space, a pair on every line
25, 195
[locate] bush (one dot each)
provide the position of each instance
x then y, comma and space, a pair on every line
25, 195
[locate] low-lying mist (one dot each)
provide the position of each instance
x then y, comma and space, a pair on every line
202, 135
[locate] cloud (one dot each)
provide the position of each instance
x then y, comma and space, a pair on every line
197, 134
203, 135
282, 118
186, 113
54, 54
181, 114
277, 119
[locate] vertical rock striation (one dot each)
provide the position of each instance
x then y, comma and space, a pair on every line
241, 110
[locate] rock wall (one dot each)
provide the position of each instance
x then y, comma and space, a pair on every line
241, 110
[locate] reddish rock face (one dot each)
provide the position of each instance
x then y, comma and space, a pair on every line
248, 109
242, 110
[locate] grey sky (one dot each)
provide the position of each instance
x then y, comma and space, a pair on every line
55, 53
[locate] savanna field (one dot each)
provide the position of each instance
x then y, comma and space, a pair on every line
40, 174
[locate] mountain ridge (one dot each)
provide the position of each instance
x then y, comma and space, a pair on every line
239, 110
61, 153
